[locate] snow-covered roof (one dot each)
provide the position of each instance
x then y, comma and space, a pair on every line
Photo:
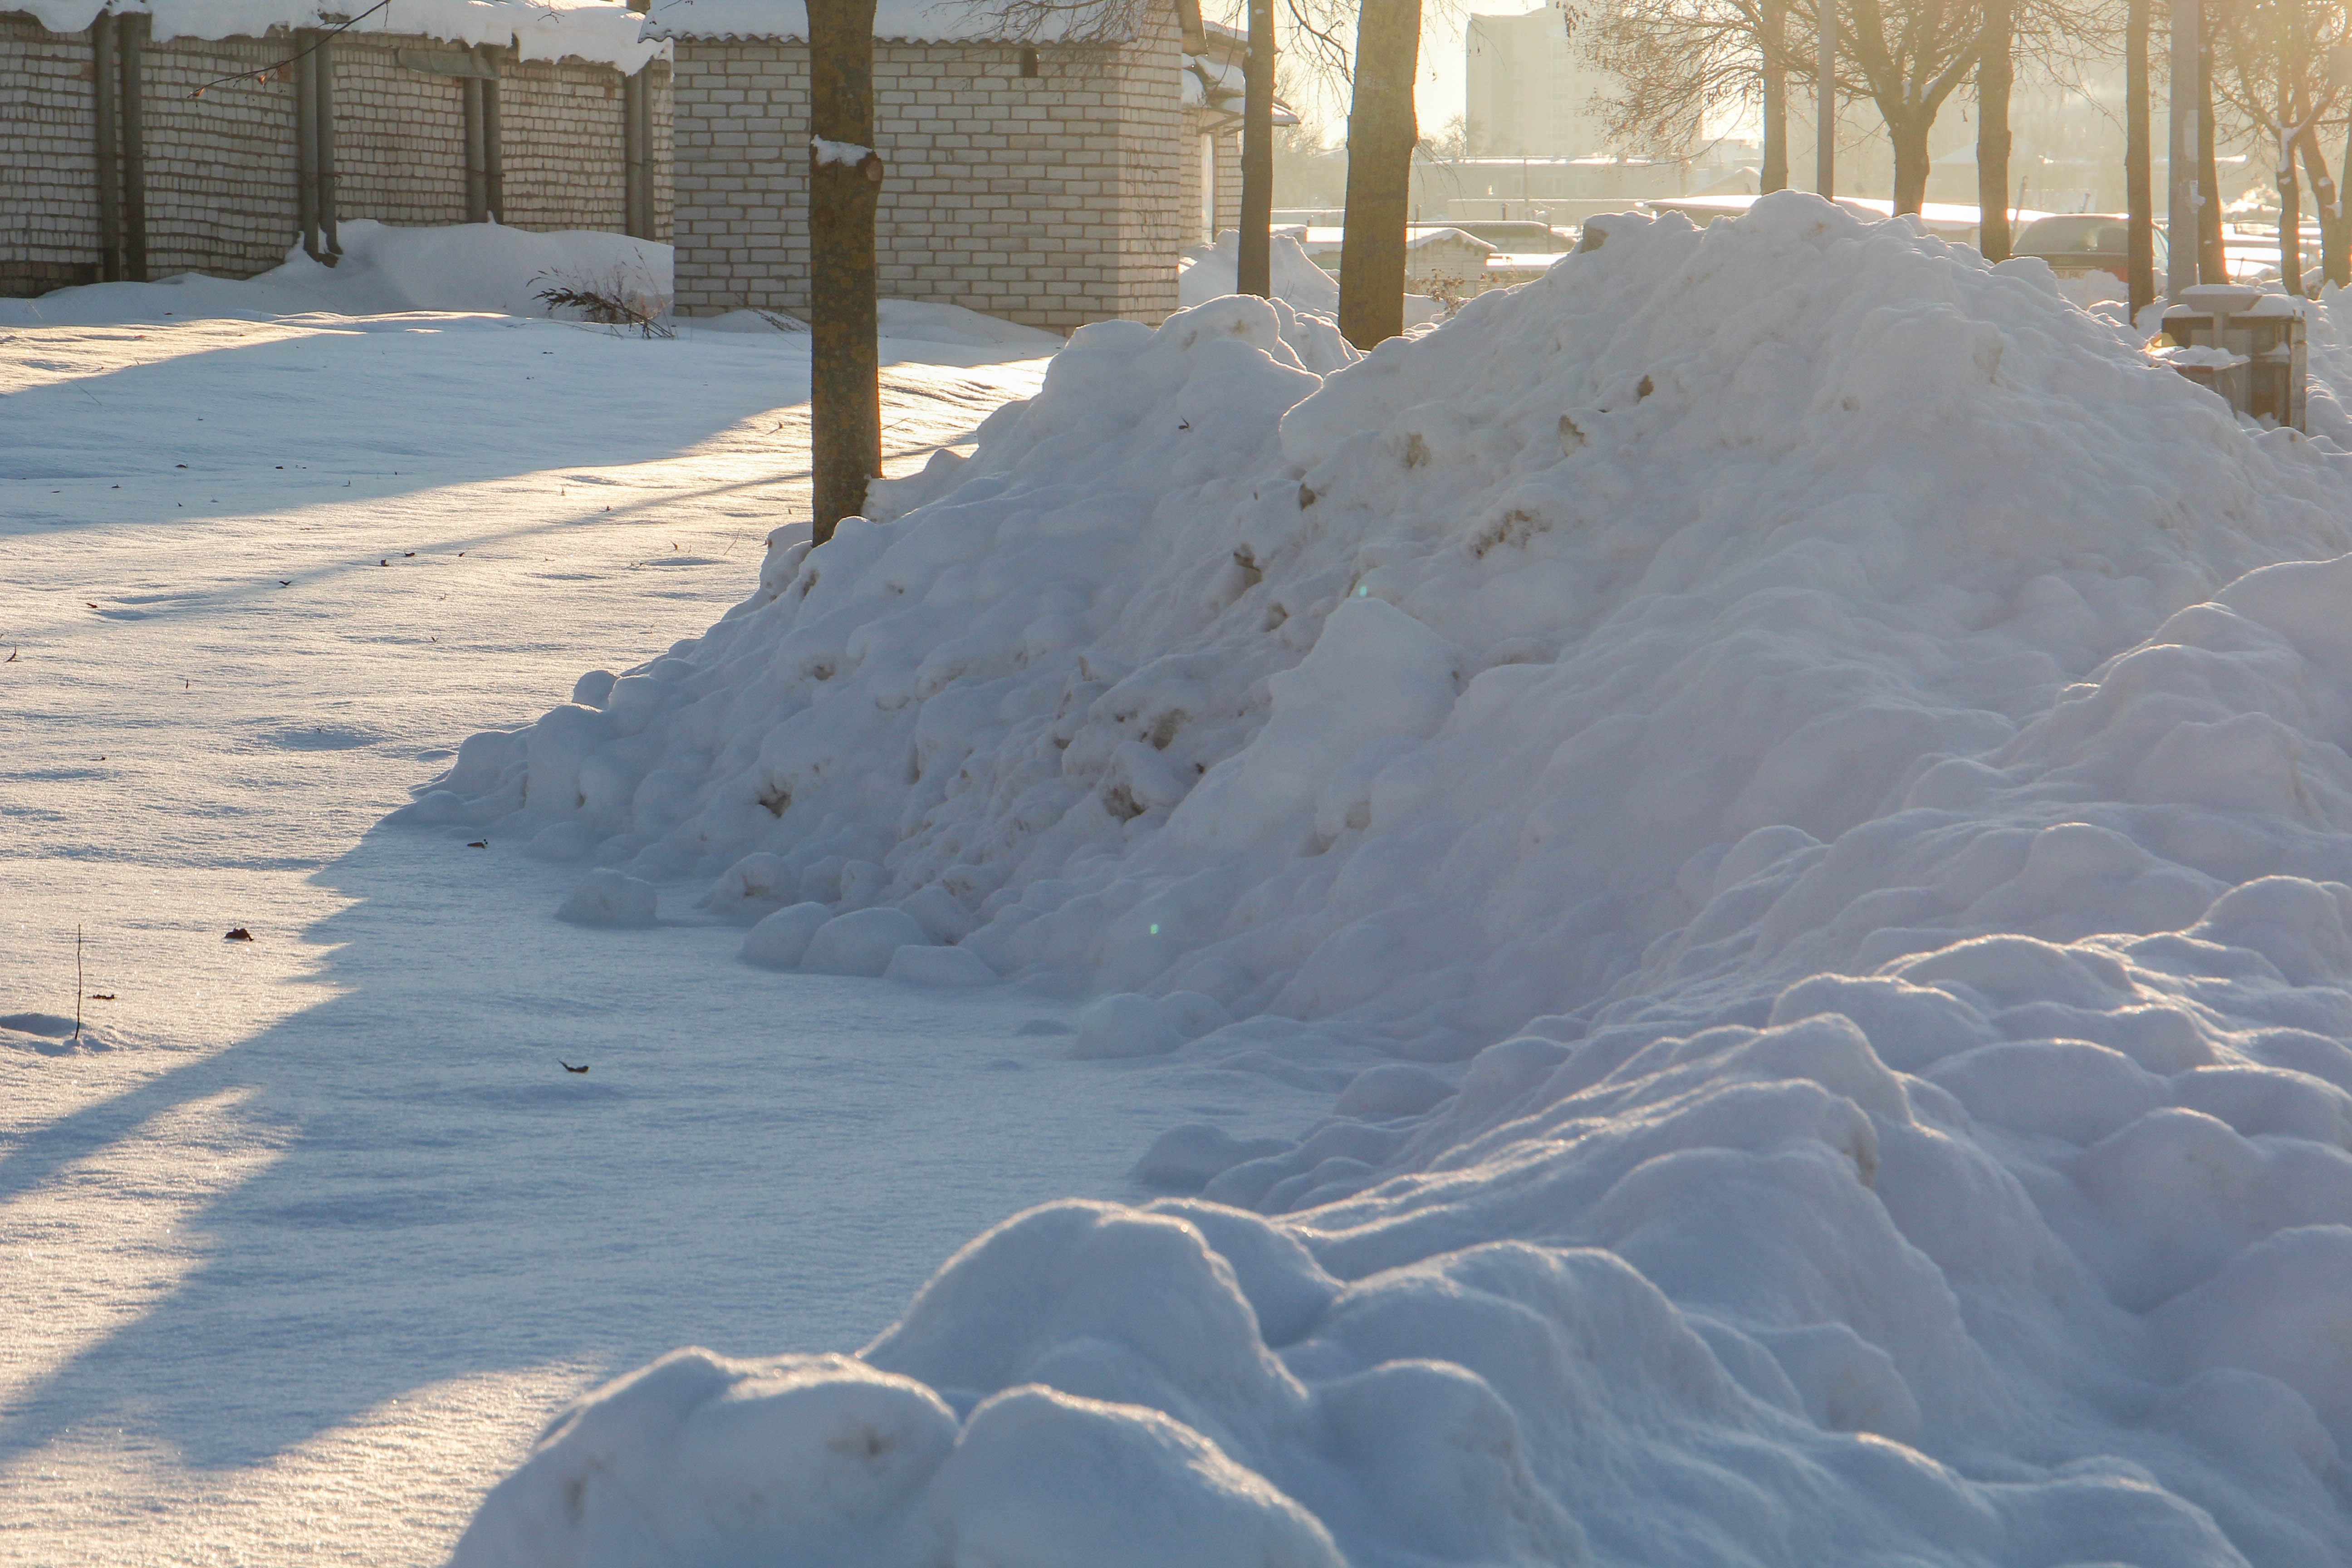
914, 21
605, 31
1213, 70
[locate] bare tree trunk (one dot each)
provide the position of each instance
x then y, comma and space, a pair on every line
2212, 257
2332, 236
2290, 191
1996, 70
1381, 132
1775, 173
2138, 172
845, 183
1254, 270
1908, 131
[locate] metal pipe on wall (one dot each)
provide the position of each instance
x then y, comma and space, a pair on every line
637, 143
636, 219
128, 32
323, 93
646, 153
103, 71
494, 155
306, 143
478, 206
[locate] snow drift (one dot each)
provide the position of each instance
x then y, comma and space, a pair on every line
1802, 778
1207, 272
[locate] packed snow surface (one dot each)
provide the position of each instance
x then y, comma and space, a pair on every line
303, 1238
1806, 777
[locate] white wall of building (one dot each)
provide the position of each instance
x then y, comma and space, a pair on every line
1526, 89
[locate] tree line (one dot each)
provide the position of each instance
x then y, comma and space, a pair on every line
2271, 75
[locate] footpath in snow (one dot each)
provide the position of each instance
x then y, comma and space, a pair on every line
1799, 779
303, 1241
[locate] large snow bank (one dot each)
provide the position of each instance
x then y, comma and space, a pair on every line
1832, 758
604, 31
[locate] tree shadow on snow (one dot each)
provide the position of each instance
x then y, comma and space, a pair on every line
755, 1161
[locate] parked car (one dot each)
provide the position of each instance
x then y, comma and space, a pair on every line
2076, 245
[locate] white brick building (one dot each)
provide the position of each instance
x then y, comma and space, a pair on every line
1214, 55
222, 182
1052, 184
1049, 183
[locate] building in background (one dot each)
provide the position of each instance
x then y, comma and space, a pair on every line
215, 140
1528, 91
1049, 183
1214, 55
1567, 191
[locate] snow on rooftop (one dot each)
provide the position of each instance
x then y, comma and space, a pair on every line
604, 31
1793, 784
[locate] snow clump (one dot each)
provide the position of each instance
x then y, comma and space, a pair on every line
1810, 776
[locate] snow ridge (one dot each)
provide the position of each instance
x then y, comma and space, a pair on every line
1826, 766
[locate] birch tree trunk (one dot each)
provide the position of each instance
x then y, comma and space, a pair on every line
2333, 259
1255, 271
1381, 131
2212, 256
1996, 70
1908, 130
2290, 191
2138, 170
844, 187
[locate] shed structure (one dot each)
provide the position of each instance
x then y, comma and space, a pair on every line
1051, 183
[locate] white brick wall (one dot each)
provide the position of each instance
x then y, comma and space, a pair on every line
221, 168
1225, 145
1051, 200
49, 196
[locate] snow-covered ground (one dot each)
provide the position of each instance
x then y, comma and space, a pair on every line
1723, 890
302, 1244
1801, 778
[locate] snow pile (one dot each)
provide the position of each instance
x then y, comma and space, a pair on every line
603, 31
387, 269
1801, 744
1206, 272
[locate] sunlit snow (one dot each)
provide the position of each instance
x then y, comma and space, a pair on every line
1712, 906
